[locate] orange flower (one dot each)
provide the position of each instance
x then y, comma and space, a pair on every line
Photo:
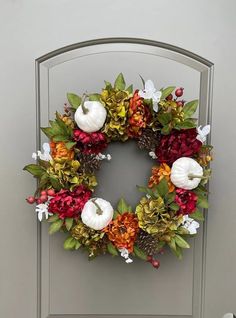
59, 150
139, 115
123, 231
160, 172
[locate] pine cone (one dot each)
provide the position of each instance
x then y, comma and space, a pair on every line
89, 163
149, 139
147, 243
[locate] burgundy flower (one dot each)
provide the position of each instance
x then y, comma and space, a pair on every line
90, 143
186, 200
178, 144
69, 204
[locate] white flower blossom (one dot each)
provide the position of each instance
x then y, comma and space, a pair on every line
42, 209
152, 155
203, 132
45, 155
125, 254
190, 224
150, 92
108, 157
34, 155
100, 156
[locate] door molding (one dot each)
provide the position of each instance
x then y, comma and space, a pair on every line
101, 46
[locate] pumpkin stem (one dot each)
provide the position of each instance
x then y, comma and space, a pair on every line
84, 109
192, 176
99, 210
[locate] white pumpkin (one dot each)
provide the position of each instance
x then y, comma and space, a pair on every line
90, 116
97, 213
186, 173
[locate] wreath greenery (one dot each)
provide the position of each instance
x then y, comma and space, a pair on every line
162, 123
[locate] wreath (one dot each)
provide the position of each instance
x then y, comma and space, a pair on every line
167, 215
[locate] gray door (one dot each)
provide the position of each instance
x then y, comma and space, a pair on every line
40, 279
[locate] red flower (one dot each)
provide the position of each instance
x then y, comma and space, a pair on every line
69, 204
90, 142
186, 200
178, 144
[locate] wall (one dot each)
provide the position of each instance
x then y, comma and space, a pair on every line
31, 28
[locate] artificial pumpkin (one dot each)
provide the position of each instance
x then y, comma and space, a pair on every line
97, 213
186, 173
90, 116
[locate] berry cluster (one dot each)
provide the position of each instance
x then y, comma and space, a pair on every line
178, 93
44, 196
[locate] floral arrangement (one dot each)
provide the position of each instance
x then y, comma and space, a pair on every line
162, 124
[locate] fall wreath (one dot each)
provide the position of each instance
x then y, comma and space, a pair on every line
162, 123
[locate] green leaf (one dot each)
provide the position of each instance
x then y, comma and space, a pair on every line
74, 100
166, 130
53, 218
60, 138
77, 245
70, 243
164, 118
197, 215
55, 183
108, 85
167, 91
145, 190
111, 249
202, 202
182, 231
174, 206
56, 129
130, 89
35, 170
190, 108
200, 188
129, 208
95, 97
170, 197
139, 253
55, 226
61, 124
172, 244
187, 124
142, 189
69, 223
181, 242
120, 82
178, 252
43, 181
122, 206
47, 132
162, 187
70, 144
43, 163
115, 214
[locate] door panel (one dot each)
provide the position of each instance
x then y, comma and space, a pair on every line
108, 286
